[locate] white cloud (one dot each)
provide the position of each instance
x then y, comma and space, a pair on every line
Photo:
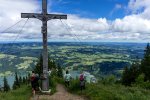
134, 27
136, 6
10, 13
118, 6
137, 22
140, 8
11, 9
133, 24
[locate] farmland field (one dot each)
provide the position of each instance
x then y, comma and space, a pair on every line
97, 58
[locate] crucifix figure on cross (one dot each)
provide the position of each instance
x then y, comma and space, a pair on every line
44, 17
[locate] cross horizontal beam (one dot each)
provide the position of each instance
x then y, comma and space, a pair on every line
56, 16
40, 16
30, 15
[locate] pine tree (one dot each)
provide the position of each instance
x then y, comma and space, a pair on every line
125, 75
50, 63
6, 86
130, 74
24, 80
16, 82
145, 63
28, 78
134, 72
14, 86
59, 72
53, 64
20, 80
39, 69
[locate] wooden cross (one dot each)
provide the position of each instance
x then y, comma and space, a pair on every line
44, 17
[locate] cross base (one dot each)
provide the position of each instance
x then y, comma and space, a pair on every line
45, 92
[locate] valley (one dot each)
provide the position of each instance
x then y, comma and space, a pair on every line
96, 58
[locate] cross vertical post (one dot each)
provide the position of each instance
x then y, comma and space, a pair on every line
45, 83
44, 17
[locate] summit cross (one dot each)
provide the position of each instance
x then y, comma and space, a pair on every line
44, 17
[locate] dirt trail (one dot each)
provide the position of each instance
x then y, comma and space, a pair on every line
61, 94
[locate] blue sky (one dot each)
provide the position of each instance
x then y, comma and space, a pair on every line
88, 20
91, 8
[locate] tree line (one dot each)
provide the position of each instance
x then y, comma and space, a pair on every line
55, 68
139, 72
17, 83
56, 71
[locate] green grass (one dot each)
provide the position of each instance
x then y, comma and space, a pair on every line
23, 93
52, 83
100, 91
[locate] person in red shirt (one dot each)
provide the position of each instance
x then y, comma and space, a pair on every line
82, 81
33, 84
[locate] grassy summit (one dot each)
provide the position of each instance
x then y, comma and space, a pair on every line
22, 93
106, 90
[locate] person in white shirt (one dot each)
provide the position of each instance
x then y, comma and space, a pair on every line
67, 78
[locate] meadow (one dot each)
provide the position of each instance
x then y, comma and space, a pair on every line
23, 93
108, 90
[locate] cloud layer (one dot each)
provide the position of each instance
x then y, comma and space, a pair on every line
134, 27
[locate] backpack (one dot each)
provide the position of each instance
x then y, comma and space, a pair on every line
82, 83
67, 77
36, 78
81, 77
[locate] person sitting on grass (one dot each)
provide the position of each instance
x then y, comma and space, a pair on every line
67, 78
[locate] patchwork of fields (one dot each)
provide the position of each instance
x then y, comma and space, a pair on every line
97, 58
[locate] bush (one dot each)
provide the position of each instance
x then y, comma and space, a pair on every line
74, 85
52, 84
141, 83
100, 91
109, 80
59, 80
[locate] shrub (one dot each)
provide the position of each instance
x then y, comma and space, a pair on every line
74, 85
52, 83
141, 83
109, 80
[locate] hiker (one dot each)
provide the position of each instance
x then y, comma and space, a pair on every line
37, 81
67, 78
82, 81
33, 84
